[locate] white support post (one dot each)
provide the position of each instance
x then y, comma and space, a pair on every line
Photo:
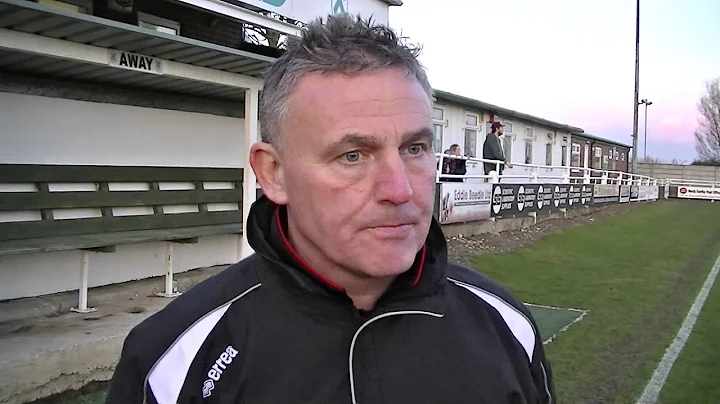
586, 176
534, 216
249, 180
604, 177
83, 291
170, 289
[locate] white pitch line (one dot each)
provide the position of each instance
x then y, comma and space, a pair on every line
552, 337
659, 377
553, 307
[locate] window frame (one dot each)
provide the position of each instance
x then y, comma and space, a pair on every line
548, 154
528, 152
438, 123
470, 150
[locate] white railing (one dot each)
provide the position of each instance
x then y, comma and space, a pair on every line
534, 173
689, 183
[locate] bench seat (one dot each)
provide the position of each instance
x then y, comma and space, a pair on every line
104, 240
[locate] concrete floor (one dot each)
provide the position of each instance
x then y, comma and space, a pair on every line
46, 349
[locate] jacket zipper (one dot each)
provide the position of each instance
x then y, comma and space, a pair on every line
367, 323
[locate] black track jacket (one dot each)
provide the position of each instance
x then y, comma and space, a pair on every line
270, 330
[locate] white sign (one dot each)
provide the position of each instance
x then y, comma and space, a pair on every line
132, 61
699, 193
464, 202
307, 10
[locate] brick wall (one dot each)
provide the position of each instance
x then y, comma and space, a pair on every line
607, 150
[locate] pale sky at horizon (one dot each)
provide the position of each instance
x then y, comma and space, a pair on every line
573, 61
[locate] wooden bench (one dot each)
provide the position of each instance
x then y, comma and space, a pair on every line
47, 208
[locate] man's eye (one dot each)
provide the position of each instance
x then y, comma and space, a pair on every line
352, 157
416, 149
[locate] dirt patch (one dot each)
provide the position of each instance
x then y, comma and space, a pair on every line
461, 250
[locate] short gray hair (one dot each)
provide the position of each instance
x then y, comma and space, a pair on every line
343, 44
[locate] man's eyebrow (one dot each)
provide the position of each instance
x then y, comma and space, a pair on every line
423, 134
356, 140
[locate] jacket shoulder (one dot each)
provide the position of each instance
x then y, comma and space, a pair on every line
479, 282
149, 340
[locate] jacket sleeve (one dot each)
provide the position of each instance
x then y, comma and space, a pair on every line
541, 373
128, 380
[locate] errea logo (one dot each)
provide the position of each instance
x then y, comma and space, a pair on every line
217, 370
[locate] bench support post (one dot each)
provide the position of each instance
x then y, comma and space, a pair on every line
170, 289
83, 291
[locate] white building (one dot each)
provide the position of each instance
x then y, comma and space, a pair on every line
158, 84
529, 140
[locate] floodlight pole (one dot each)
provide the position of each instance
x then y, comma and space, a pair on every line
637, 87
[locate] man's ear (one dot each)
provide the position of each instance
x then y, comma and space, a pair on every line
265, 162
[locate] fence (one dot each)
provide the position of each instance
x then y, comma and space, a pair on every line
692, 189
676, 171
522, 173
532, 190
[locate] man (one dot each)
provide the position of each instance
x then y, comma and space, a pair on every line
454, 166
349, 297
493, 150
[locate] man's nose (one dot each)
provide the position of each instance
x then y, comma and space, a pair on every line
392, 181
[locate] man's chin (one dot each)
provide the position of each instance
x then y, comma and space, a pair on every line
390, 262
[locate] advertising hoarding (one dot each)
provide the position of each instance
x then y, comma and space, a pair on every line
464, 202
516, 200
603, 193
698, 193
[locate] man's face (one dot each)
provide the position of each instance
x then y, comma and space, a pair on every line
500, 131
455, 151
358, 170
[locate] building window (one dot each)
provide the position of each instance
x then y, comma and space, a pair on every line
508, 127
470, 142
615, 157
528, 151
471, 133
507, 147
438, 116
597, 159
622, 156
471, 120
575, 158
437, 137
158, 24
549, 154
605, 162
78, 6
563, 158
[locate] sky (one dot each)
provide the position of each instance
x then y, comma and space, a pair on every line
573, 61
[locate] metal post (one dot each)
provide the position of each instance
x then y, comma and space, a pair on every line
637, 86
83, 290
645, 146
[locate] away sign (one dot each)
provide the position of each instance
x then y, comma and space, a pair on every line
132, 61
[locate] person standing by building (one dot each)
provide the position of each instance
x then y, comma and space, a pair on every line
493, 150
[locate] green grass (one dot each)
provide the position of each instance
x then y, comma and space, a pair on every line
637, 275
695, 377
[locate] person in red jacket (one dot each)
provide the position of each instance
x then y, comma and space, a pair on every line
350, 297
